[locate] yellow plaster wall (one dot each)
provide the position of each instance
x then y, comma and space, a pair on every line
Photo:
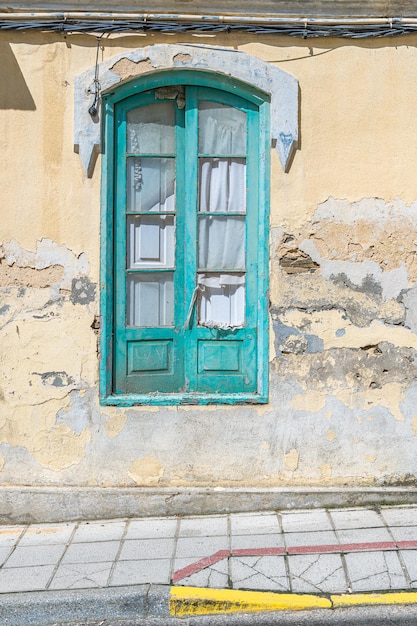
358, 128
358, 140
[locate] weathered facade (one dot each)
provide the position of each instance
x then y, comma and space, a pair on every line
341, 410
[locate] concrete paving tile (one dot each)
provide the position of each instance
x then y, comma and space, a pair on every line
317, 573
200, 546
98, 552
47, 534
404, 533
17, 579
363, 535
27, 556
9, 535
215, 575
264, 573
375, 571
81, 575
400, 516
151, 528
410, 561
318, 538
140, 572
99, 531
356, 518
136, 549
257, 541
305, 521
203, 526
251, 523
4, 554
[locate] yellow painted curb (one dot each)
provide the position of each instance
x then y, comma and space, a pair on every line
200, 601
355, 599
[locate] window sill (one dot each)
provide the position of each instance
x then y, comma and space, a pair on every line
173, 399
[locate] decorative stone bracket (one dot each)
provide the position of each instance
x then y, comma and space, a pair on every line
282, 88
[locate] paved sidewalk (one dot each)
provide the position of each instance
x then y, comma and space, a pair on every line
319, 552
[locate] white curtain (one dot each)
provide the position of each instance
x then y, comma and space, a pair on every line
222, 185
151, 181
221, 243
221, 239
222, 300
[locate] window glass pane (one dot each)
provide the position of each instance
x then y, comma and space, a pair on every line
150, 184
150, 299
151, 129
222, 300
221, 129
150, 241
222, 185
221, 243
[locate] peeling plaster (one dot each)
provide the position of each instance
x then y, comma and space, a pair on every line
126, 68
115, 424
326, 471
314, 293
146, 471
56, 379
281, 86
391, 282
291, 460
81, 413
83, 291
327, 326
47, 346
48, 254
409, 299
55, 447
314, 401
341, 352
13, 275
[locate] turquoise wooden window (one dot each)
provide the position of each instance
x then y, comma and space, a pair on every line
184, 242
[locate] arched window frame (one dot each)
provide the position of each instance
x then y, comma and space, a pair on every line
110, 102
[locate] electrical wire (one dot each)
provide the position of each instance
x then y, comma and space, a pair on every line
304, 30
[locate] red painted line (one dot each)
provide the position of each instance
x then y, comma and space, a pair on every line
406, 545
343, 547
368, 547
259, 552
314, 549
193, 568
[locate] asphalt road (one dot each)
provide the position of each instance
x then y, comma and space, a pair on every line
353, 616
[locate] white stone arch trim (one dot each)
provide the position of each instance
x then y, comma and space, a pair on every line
281, 86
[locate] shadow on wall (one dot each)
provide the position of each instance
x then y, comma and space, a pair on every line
19, 96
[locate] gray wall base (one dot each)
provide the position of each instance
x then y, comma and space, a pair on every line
58, 504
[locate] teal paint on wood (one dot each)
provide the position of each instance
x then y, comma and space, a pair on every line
184, 362
145, 356
220, 356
